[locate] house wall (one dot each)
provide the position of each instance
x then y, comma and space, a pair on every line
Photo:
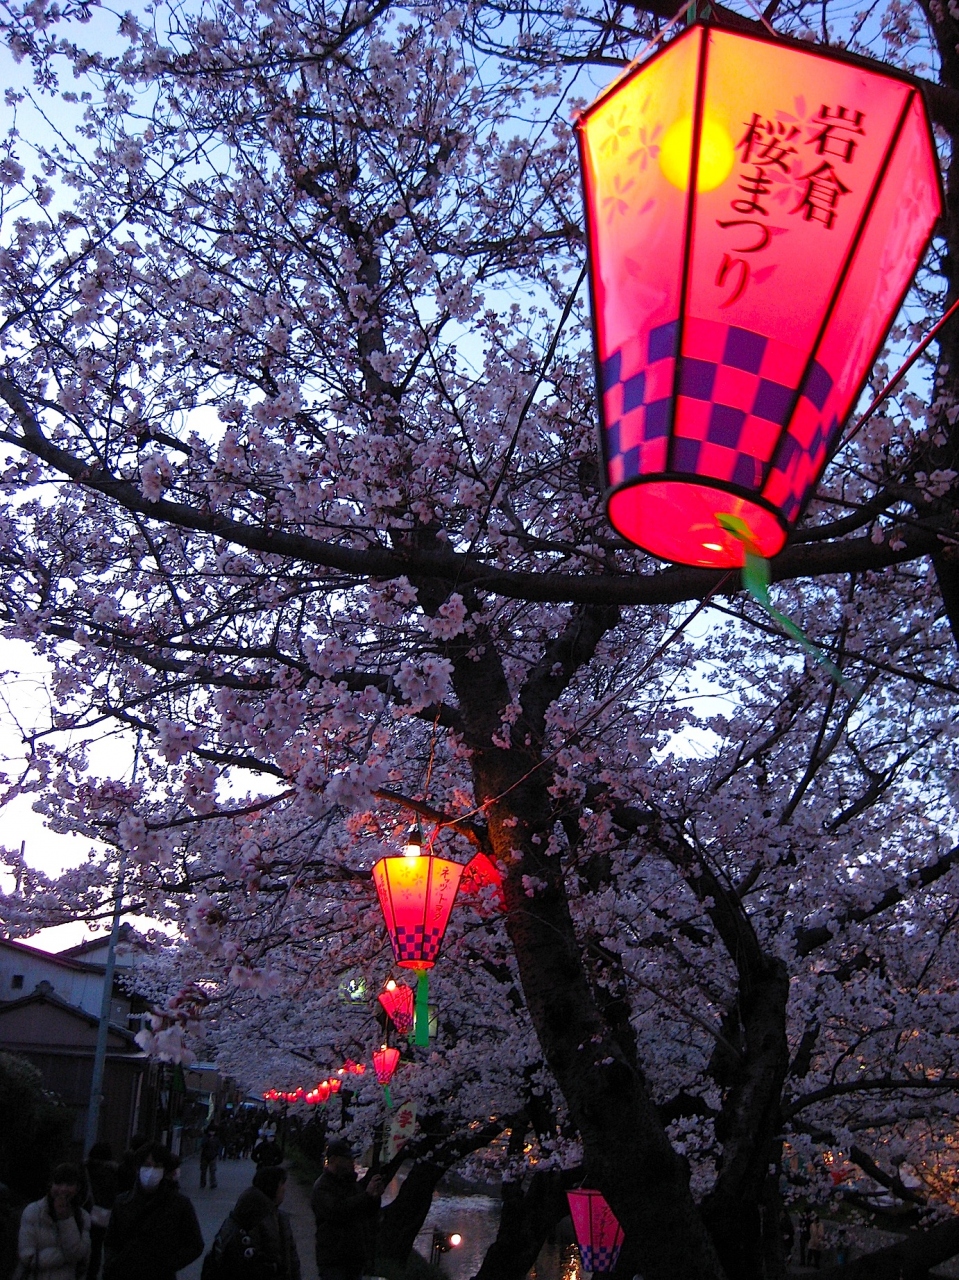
80, 987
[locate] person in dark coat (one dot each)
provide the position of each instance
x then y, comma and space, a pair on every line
209, 1150
346, 1213
127, 1172
153, 1229
267, 1151
102, 1173
258, 1213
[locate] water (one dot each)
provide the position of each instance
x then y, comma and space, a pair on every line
475, 1217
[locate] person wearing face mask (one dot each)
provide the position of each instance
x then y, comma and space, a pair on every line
267, 1153
54, 1239
153, 1230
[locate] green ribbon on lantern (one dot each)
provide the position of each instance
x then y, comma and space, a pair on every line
756, 579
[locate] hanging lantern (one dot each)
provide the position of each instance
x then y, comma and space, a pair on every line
737, 316
416, 893
385, 1062
335, 1083
482, 873
598, 1234
322, 1092
352, 1068
397, 1000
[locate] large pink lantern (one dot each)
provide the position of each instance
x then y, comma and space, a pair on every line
756, 210
598, 1234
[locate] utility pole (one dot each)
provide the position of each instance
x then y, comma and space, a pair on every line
103, 1031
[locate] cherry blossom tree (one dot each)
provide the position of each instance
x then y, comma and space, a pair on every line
300, 492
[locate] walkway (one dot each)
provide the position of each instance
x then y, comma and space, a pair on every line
212, 1206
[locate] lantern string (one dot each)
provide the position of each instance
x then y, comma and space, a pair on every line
756, 579
634, 62
763, 19
899, 374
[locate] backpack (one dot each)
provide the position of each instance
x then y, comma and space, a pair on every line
236, 1254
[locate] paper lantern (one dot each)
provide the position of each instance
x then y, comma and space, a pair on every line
416, 892
323, 1091
385, 1062
598, 1234
336, 1084
736, 316
397, 1000
482, 873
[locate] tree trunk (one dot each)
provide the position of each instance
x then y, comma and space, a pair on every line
402, 1219
909, 1259
526, 1219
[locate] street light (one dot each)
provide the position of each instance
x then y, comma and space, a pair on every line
443, 1241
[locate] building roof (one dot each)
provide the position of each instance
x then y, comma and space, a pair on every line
59, 958
43, 993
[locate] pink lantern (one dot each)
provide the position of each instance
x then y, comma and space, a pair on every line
385, 1062
397, 1000
598, 1234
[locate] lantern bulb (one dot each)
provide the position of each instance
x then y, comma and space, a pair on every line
456, 1239
391, 985
716, 154
414, 841
714, 546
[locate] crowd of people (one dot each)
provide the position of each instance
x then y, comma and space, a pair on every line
129, 1220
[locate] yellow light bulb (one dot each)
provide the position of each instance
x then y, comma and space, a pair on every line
716, 154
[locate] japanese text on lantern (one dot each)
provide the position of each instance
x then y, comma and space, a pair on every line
774, 168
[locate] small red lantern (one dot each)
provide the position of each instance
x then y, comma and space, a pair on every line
756, 211
481, 873
598, 1234
336, 1084
397, 1000
322, 1091
385, 1062
416, 893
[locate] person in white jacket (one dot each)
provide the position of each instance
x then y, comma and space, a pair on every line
55, 1231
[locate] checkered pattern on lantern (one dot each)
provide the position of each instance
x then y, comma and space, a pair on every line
417, 943
599, 1257
734, 397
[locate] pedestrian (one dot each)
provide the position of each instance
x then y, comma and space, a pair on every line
817, 1243
102, 1178
127, 1172
788, 1232
256, 1240
345, 1211
805, 1223
9, 1231
209, 1150
153, 1229
267, 1151
54, 1242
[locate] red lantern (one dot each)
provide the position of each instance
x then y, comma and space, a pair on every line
385, 1062
322, 1091
416, 893
736, 316
481, 873
397, 1000
598, 1234
336, 1084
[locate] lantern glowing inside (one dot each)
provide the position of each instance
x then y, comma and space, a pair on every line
336, 1084
397, 1000
482, 873
736, 316
416, 892
322, 1091
384, 1064
598, 1234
